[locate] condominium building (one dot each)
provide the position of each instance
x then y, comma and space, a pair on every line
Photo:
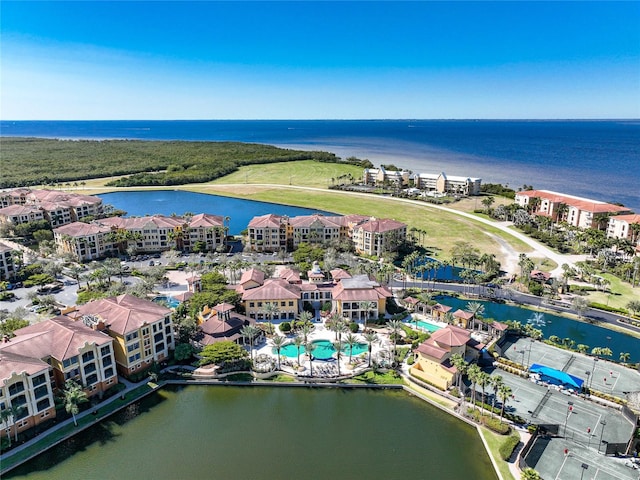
382, 176
368, 234
87, 241
376, 237
7, 264
58, 208
75, 350
142, 330
447, 184
268, 233
576, 211
625, 227
25, 383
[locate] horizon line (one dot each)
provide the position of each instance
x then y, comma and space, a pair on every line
505, 119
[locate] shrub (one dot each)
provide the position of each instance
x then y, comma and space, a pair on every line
494, 424
509, 445
354, 327
285, 327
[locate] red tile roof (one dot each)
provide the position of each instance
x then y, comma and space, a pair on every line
59, 337
266, 221
451, 336
584, 204
273, 289
125, 313
11, 363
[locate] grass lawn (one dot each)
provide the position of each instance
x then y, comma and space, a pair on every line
388, 378
494, 441
307, 173
619, 294
50, 438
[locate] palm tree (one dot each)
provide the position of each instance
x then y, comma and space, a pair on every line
624, 357
395, 326
298, 341
73, 395
310, 347
337, 345
250, 332
461, 365
335, 323
270, 309
278, 342
495, 381
370, 338
477, 310
369, 308
504, 393
473, 373
5, 415
350, 340
483, 380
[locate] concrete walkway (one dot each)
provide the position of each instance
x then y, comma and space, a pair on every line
128, 387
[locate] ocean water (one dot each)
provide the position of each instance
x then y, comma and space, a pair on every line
592, 159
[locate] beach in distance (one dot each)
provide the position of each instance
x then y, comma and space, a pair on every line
596, 159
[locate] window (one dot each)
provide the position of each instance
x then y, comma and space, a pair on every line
282, 304
159, 347
106, 350
166, 321
291, 303
91, 379
252, 304
40, 392
16, 388
19, 401
72, 373
106, 362
133, 346
39, 380
90, 368
43, 404
131, 336
158, 337
167, 330
135, 357
87, 357
108, 372
70, 361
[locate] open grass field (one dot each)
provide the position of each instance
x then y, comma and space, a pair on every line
306, 173
618, 294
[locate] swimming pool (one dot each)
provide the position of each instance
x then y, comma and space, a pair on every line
324, 350
165, 299
430, 327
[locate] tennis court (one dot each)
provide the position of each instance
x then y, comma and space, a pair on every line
580, 420
599, 374
548, 457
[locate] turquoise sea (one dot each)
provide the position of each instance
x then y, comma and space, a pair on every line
593, 159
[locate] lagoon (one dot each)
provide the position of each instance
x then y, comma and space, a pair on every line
168, 202
220, 432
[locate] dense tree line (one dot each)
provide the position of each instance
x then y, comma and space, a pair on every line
37, 161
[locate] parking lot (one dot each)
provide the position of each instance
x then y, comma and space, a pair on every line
599, 374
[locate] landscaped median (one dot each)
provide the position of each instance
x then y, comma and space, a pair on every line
67, 429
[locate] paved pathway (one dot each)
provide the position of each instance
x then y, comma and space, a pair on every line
507, 227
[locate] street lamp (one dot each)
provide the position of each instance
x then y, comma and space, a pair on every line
603, 422
589, 435
595, 360
584, 468
569, 410
529, 355
588, 374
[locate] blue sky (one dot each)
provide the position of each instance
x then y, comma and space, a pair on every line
299, 60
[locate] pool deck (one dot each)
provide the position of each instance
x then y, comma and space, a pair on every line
324, 367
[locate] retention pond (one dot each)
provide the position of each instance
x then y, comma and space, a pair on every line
204, 432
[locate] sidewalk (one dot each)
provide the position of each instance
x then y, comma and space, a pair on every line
5, 457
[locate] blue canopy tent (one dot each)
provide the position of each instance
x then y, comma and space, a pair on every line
557, 377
